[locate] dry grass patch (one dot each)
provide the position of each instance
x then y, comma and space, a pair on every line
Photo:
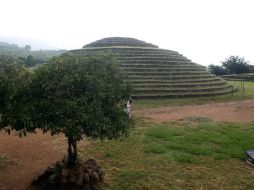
5, 161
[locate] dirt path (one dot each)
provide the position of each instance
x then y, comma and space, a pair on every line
30, 156
35, 152
242, 111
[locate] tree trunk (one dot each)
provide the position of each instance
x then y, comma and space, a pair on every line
72, 151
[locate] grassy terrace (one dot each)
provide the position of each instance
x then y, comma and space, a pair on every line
149, 56
182, 81
185, 155
237, 95
118, 41
152, 69
181, 94
158, 59
183, 89
190, 77
152, 55
243, 77
178, 85
169, 73
172, 64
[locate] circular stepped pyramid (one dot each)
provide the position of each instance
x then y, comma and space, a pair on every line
157, 73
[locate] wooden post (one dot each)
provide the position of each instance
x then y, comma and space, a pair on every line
232, 90
243, 88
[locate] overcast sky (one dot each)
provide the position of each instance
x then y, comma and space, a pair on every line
206, 31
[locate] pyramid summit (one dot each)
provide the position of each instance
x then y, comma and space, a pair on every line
119, 41
155, 72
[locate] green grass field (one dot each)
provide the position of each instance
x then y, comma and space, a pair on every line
239, 94
192, 154
177, 156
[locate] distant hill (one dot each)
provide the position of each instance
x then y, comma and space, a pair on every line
26, 55
34, 43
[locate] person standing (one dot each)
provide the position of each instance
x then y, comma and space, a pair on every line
128, 106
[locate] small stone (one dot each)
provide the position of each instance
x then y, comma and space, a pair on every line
86, 187
72, 179
86, 178
65, 173
80, 178
52, 178
91, 162
95, 176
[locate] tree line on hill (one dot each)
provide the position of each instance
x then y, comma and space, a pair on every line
25, 56
232, 65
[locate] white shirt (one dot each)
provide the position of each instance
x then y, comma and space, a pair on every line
128, 107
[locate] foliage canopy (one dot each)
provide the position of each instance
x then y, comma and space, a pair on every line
217, 70
12, 78
232, 65
236, 65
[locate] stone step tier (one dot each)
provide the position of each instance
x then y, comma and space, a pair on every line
158, 73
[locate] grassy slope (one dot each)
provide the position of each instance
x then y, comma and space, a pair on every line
238, 95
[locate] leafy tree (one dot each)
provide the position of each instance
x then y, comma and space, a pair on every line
13, 77
30, 61
5, 69
28, 48
76, 96
217, 70
236, 65
251, 68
